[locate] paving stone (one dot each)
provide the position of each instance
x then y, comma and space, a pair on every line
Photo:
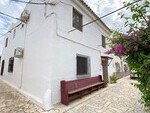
116, 99
121, 97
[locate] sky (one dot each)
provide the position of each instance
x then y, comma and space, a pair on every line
100, 7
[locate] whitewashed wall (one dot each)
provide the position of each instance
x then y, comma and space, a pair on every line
68, 45
50, 51
8, 52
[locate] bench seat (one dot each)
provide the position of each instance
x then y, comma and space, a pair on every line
78, 88
84, 88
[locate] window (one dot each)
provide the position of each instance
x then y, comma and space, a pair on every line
82, 65
6, 43
11, 65
2, 67
103, 41
77, 20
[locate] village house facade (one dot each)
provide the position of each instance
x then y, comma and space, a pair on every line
46, 49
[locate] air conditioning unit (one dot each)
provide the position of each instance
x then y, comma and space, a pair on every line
25, 16
52, 2
18, 53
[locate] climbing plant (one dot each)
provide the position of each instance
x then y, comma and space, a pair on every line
134, 45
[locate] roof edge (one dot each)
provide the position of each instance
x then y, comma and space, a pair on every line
96, 16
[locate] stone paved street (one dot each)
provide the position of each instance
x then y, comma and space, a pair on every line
121, 97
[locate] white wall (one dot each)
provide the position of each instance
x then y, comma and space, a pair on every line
64, 67
8, 52
36, 37
38, 53
68, 45
50, 51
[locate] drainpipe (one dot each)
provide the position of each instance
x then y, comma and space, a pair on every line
23, 57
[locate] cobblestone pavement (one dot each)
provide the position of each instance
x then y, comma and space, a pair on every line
121, 97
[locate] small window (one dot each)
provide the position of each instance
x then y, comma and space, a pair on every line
11, 65
14, 33
103, 41
77, 20
6, 43
82, 65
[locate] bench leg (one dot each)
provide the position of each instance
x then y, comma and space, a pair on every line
80, 94
65, 98
90, 90
99, 86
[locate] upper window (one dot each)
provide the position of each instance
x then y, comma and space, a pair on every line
82, 65
77, 20
11, 65
103, 41
6, 43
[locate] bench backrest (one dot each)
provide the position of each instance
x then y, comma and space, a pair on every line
80, 83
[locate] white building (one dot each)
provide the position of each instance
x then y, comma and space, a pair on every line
51, 51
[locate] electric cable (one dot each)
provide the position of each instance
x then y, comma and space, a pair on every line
105, 15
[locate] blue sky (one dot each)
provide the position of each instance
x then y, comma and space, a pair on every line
100, 7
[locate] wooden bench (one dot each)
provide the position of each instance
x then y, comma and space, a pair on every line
77, 88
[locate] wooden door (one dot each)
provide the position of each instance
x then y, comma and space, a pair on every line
105, 69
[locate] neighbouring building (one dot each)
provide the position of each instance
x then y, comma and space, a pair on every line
51, 45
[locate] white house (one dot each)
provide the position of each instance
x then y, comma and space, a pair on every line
46, 49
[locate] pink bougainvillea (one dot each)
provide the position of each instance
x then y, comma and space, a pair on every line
123, 36
119, 48
134, 37
135, 48
109, 51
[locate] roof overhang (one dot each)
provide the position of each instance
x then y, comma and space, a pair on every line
106, 56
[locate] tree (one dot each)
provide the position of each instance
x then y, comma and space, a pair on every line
135, 45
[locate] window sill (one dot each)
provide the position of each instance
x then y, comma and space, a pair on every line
83, 76
10, 72
79, 29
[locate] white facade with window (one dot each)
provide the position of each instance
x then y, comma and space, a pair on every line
51, 51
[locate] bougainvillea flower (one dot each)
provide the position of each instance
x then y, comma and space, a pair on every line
125, 52
118, 48
109, 51
135, 48
123, 36
134, 37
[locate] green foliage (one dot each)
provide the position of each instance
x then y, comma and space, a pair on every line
135, 46
138, 12
113, 78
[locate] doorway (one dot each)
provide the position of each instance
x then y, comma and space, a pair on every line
2, 67
105, 68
